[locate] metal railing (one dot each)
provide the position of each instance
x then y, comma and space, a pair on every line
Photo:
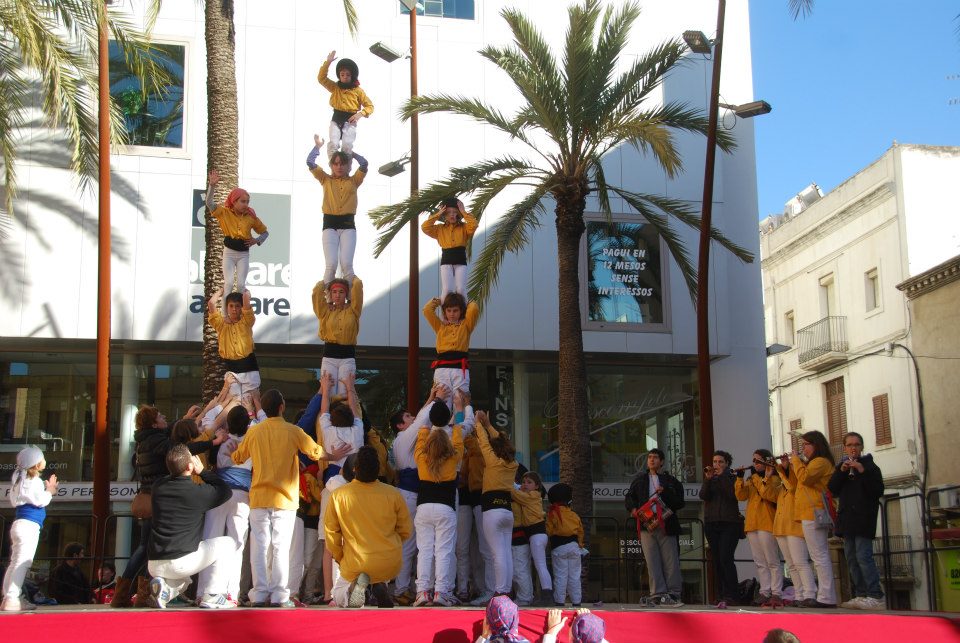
900, 566
829, 335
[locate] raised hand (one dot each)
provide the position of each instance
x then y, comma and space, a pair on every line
317, 140
555, 621
332, 56
51, 485
213, 178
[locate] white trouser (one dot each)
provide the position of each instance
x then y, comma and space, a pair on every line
436, 541
245, 382
453, 278
521, 573
498, 531
236, 265
339, 368
464, 539
453, 379
233, 519
24, 536
297, 558
489, 581
816, 538
794, 550
409, 548
338, 245
341, 588
341, 140
538, 550
271, 530
218, 554
566, 573
763, 546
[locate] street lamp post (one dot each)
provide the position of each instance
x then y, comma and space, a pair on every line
413, 303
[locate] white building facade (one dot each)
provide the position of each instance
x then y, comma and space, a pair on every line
829, 277
642, 373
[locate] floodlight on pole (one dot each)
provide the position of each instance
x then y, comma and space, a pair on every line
386, 52
776, 349
394, 168
749, 110
698, 42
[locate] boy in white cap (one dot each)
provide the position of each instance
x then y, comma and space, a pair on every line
30, 495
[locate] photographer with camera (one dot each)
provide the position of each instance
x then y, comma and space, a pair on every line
858, 483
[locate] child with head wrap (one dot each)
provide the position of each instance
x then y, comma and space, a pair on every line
30, 495
584, 628
236, 219
501, 622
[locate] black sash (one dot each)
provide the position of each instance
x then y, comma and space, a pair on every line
339, 351
444, 493
495, 500
341, 117
246, 364
338, 222
456, 256
235, 244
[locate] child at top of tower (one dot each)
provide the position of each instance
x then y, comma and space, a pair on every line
348, 101
453, 227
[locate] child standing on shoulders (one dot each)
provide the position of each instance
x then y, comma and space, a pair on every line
456, 228
340, 423
236, 219
453, 330
339, 208
566, 540
528, 508
339, 325
235, 339
30, 495
348, 101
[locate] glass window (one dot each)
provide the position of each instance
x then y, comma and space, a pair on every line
462, 9
151, 119
624, 276
872, 289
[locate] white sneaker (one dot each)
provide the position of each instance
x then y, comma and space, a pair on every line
852, 604
482, 600
160, 593
868, 603
423, 598
358, 593
216, 601
16, 605
445, 600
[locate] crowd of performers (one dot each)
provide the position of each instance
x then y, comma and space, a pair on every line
451, 518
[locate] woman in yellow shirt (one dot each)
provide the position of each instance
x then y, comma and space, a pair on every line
236, 219
813, 474
761, 491
789, 534
452, 227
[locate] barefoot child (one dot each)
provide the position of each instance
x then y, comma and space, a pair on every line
236, 219
452, 227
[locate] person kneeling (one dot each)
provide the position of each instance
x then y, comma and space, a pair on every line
175, 552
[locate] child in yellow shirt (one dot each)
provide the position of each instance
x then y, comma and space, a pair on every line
453, 329
348, 101
452, 227
236, 219
566, 539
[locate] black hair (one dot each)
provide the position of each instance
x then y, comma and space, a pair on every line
440, 413
764, 453
854, 434
450, 202
349, 467
271, 401
341, 414
560, 493
659, 453
178, 458
238, 421
725, 455
234, 297
350, 66
396, 420
346, 160
455, 300
73, 550
368, 465
821, 448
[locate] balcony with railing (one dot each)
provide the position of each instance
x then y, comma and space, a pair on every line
823, 343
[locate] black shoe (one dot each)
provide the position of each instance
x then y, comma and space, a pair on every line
824, 606
380, 593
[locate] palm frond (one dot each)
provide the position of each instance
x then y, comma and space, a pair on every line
632, 87
599, 186
511, 233
801, 8
470, 107
681, 210
13, 88
581, 71
353, 22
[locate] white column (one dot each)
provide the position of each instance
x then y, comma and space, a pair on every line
129, 392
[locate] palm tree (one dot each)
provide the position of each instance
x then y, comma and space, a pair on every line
223, 152
51, 46
574, 112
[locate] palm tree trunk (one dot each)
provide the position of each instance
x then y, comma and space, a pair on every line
222, 154
574, 440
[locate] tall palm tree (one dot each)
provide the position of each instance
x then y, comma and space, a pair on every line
574, 112
223, 152
51, 46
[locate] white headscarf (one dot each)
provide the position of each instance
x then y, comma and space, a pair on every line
27, 458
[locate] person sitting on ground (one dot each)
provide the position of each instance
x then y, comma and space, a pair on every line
584, 628
106, 583
175, 551
501, 622
68, 584
365, 524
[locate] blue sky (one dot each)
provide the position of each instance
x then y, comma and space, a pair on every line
847, 81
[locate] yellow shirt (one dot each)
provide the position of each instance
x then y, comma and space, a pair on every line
236, 225
498, 475
386, 471
812, 479
563, 521
365, 525
527, 507
448, 468
339, 326
450, 236
761, 495
472, 469
235, 341
344, 100
339, 193
452, 337
310, 504
783, 522
273, 444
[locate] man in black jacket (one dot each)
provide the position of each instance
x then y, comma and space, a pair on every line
176, 551
858, 483
661, 546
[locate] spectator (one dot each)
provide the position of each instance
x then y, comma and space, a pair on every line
106, 582
68, 584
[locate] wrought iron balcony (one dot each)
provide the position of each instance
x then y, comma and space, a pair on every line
823, 343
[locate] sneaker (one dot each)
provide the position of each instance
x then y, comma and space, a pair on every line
463, 597
446, 600
852, 604
869, 603
405, 599
358, 593
668, 600
423, 599
807, 603
16, 605
216, 601
523, 603
772, 603
159, 593
287, 604
825, 606
545, 599
382, 595
760, 599
482, 600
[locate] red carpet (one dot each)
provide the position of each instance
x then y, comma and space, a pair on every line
454, 626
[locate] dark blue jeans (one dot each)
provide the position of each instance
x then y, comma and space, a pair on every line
138, 559
723, 538
864, 575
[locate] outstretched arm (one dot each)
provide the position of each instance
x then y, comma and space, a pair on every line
326, 382
212, 179
312, 158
